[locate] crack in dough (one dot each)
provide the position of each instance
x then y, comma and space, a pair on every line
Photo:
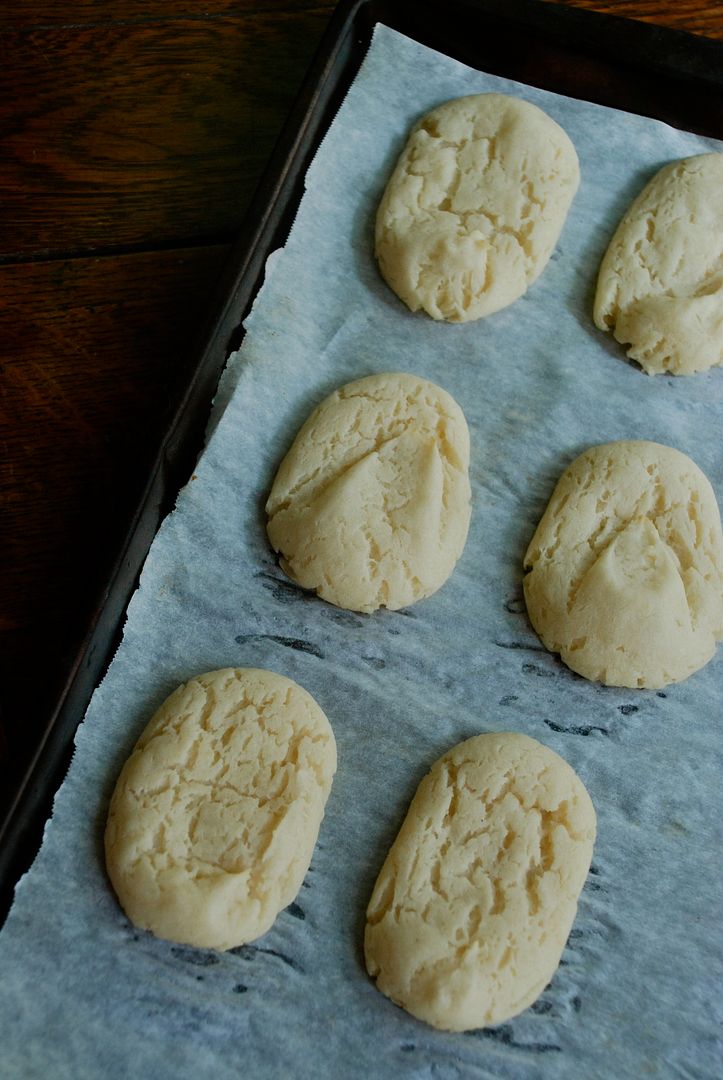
625, 570
475, 206
474, 903
371, 505
215, 814
660, 285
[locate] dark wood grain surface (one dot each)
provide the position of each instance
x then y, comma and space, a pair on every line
133, 136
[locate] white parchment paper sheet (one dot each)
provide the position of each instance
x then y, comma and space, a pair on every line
639, 992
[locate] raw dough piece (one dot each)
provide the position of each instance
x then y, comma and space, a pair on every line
474, 904
475, 206
371, 505
660, 287
215, 814
626, 566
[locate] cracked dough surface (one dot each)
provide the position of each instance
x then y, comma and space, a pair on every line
660, 285
625, 570
371, 505
475, 206
215, 814
476, 898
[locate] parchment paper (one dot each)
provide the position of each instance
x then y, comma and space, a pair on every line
640, 989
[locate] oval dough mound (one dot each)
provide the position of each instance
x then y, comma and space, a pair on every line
216, 812
474, 903
475, 206
371, 505
660, 286
626, 566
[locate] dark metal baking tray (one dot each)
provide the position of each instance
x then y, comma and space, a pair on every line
665, 74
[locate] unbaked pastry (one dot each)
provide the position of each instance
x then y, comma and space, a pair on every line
475, 206
625, 570
371, 505
660, 286
476, 898
216, 812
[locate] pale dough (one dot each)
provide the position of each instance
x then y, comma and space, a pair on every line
660, 286
476, 898
371, 505
475, 206
215, 814
625, 570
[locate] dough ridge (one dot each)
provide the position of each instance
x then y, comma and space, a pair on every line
660, 283
625, 570
371, 506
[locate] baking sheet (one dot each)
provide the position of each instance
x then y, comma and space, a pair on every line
640, 988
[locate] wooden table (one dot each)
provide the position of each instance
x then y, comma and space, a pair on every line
133, 137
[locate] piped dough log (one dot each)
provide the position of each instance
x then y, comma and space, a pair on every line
215, 814
625, 570
371, 506
475, 206
660, 285
476, 898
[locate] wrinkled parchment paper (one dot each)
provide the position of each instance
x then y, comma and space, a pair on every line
83, 994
